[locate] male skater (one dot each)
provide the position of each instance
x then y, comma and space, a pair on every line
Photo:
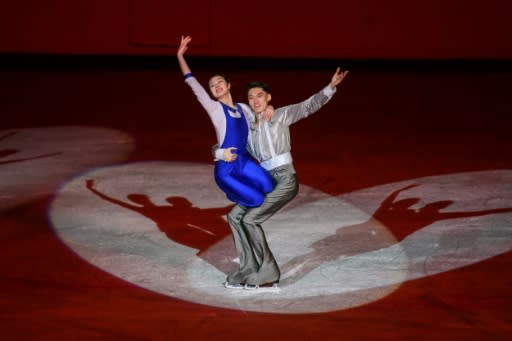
269, 143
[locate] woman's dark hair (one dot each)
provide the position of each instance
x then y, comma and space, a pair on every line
258, 84
226, 78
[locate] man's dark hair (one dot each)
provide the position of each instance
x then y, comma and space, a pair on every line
258, 84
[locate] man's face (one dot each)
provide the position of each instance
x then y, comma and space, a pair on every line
218, 86
258, 99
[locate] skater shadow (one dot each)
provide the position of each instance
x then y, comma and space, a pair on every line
4, 153
9, 134
397, 216
180, 221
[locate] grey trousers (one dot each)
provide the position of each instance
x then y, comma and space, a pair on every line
257, 263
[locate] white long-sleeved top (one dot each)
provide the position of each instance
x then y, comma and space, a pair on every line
269, 142
215, 109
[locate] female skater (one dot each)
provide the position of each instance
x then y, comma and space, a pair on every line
243, 180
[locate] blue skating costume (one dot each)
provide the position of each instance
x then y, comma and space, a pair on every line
243, 180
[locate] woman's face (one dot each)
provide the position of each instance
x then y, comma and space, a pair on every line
218, 86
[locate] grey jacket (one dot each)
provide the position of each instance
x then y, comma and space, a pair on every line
269, 142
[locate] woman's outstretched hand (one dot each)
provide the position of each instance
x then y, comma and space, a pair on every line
185, 40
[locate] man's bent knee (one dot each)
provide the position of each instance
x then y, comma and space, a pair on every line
235, 215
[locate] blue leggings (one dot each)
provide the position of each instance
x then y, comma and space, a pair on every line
243, 181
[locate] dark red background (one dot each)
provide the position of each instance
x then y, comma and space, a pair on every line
288, 28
